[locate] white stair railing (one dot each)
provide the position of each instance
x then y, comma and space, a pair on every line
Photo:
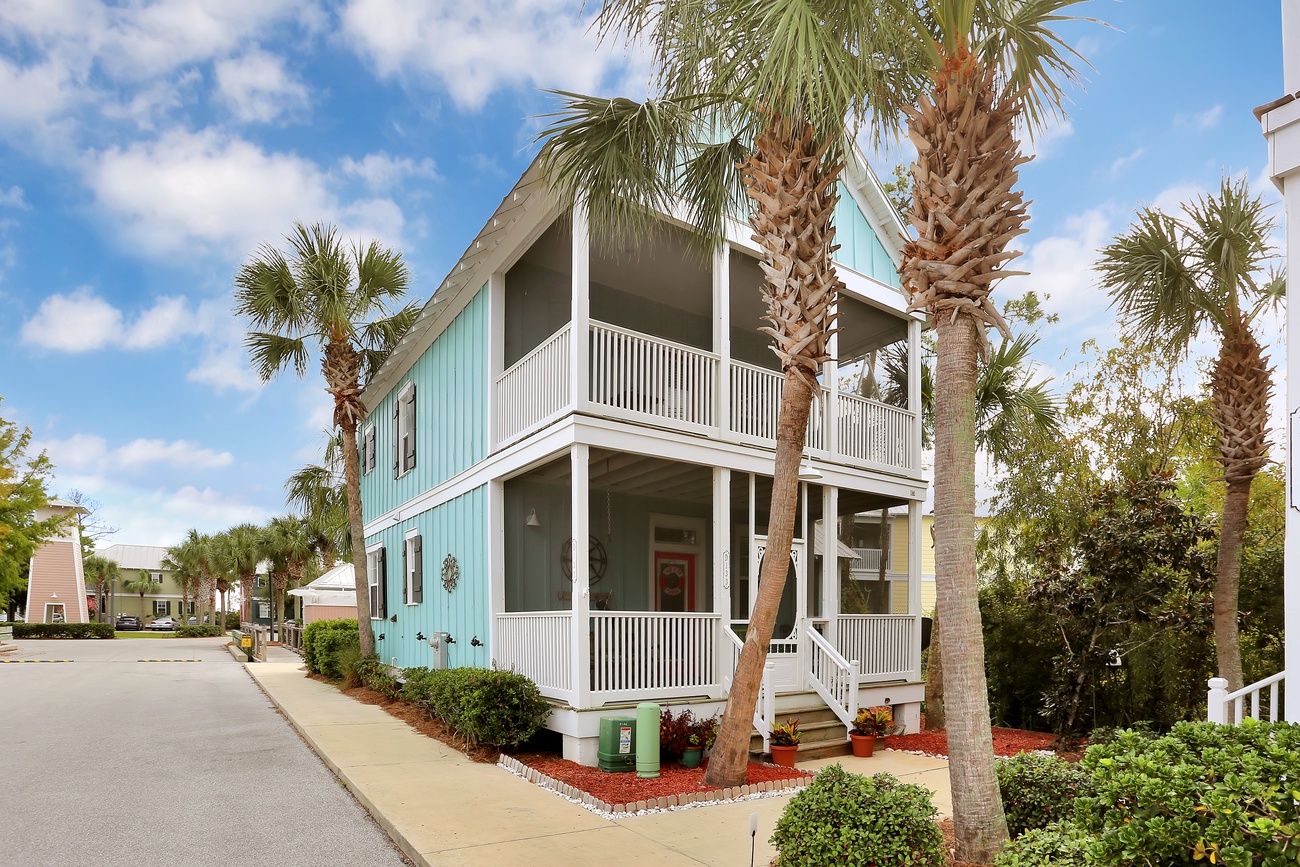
765, 706
833, 677
1229, 707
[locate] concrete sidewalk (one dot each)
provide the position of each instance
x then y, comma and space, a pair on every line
443, 809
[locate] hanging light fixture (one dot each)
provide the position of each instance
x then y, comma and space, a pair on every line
532, 519
807, 472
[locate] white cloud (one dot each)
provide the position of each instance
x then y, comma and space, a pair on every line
484, 46
1118, 166
382, 172
1209, 119
225, 366
13, 198
178, 453
1061, 267
80, 322
1046, 142
1171, 199
256, 87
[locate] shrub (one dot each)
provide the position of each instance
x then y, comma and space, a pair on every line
232, 620
63, 630
843, 818
376, 674
675, 733
198, 630
1221, 794
1038, 790
313, 635
1060, 844
498, 708
334, 648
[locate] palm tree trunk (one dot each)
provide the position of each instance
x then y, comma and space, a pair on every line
730, 757
935, 718
352, 481
1227, 582
978, 819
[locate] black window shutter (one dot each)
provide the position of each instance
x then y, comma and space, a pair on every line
397, 441
167, 607
370, 448
406, 571
383, 583
418, 581
410, 431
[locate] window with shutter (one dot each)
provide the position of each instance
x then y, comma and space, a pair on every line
397, 439
368, 444
417, 579
404, 423
383, 582
377, 585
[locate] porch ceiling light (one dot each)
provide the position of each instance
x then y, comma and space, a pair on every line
807, 472
532, 519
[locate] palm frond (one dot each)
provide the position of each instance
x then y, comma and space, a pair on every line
1147, 273
271, 352
1230, 234
267, 293
382, 275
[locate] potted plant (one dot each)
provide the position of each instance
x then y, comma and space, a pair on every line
700, 738
785, 743
870, 724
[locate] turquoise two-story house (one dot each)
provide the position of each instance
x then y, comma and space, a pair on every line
551, 392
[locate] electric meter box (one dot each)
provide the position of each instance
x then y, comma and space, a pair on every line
617, 750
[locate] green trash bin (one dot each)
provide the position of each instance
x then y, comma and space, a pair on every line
617, 751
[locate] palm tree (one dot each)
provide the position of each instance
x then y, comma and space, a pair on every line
993, 64
182, 562
100, 572
142, 584
193, 564
319, 492
289, 544
753, 115
1173, 279
338, 300
236, 554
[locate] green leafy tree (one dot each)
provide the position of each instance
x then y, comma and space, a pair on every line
100, 574
1173, 279
338, 301
24, 489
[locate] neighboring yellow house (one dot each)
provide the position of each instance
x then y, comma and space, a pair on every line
890, 597
165, 601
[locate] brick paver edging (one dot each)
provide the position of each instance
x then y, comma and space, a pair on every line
653, 805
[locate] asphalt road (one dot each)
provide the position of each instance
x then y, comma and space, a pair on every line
107, 760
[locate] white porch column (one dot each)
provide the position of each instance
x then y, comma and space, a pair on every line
580, 313
722, 332
831, 412
496, 350
914, 391
1282, 130
722, 560
578, 462
831, 562
496, 562
914, 542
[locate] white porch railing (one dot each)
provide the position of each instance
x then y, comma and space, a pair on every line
535, 388
832, 676
538, 644
868, 560
635, 654
647, 376
885, 644
765, 706
756, 405
875, 432
1230, 707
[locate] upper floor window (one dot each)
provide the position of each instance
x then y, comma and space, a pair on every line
155, 577
404, 431
368, 449
377, 578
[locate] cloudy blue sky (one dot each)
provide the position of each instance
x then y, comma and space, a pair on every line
147, 148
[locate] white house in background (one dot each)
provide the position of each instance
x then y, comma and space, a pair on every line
332, 595
56, 587
553, 392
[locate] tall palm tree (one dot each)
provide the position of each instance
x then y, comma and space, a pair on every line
994, 65
182, 562
289, 545
1174, 278
236, 554
339, 301
100, 572
193, 563
143, 585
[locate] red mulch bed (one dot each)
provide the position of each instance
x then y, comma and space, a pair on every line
1006, 742
626, 787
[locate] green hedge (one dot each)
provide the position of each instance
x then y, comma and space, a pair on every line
324, 644
1039, 789
499, 708
197, 630
63, 630
1060, 844
376, 674
843, 818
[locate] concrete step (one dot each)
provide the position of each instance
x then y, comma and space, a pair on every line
814, 734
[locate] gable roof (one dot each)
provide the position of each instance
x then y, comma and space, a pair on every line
135, 556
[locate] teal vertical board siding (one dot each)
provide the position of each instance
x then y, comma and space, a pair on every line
451, 381
860, 249
457, 527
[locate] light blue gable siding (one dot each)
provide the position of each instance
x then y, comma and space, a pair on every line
860, 249
451, 382
457, 527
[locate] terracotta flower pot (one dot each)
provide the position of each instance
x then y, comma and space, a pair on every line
863, 745
784, 756
691, 758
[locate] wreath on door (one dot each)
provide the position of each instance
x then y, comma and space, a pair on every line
596, 557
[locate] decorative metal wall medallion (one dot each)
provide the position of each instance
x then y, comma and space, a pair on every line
450, 573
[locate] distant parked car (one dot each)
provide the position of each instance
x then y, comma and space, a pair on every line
128, 623
193, 620
162, 624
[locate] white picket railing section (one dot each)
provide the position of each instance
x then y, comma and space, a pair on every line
652, 377
833, 677
877, 432
756, 404
1230, 707
884, 643
538, 644
868, 560
649, 653
535, 388
765, 705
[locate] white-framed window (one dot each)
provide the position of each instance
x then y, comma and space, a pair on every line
368, 449
404, 431
155, 577
162, 607
377, 578
413, 569
189, 607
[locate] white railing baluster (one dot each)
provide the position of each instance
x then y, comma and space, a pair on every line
1230, 707
534, 388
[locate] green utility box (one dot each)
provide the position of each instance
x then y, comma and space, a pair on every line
617, 751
